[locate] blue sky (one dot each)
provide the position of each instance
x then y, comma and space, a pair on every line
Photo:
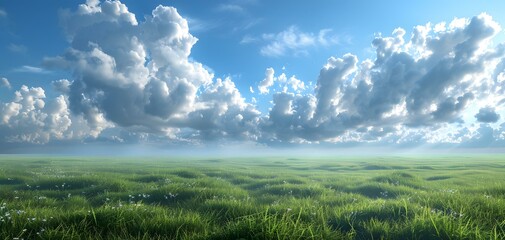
251, 73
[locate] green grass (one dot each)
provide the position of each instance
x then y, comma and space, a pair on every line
436, 197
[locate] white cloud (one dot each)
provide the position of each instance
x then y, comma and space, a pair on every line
135, 80
31, 118
62, 86
94, 11
267, 82
17, 48
200, 25
292, 41
139, 77
248, 39
325, 38
412, 88
270, 80
232, 17
3, 13
31, 69
116, 77
296, 84
234, 8
224, 114
5, 83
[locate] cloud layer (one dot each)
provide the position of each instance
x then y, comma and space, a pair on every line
135, 80
413, 86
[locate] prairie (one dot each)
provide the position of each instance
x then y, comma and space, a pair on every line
344, 197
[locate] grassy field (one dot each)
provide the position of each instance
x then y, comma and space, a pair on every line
436, 197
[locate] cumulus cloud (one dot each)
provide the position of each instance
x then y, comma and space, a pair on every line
223, 114
267, 82
135, 81
62, 86
138, 76
279, 82
424, 82
296, 84
134, 74
31, 118
5, 83
292, 41
485, 136
95, 12
487, 115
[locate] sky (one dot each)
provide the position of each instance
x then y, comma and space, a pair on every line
185, 76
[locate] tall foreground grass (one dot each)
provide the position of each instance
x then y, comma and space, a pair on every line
269, 198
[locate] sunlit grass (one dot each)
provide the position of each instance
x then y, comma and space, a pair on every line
268, 198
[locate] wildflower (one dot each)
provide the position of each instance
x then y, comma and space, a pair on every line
171, 195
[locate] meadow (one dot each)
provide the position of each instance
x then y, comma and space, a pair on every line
344, 197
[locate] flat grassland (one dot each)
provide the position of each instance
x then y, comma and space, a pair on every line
402, 197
